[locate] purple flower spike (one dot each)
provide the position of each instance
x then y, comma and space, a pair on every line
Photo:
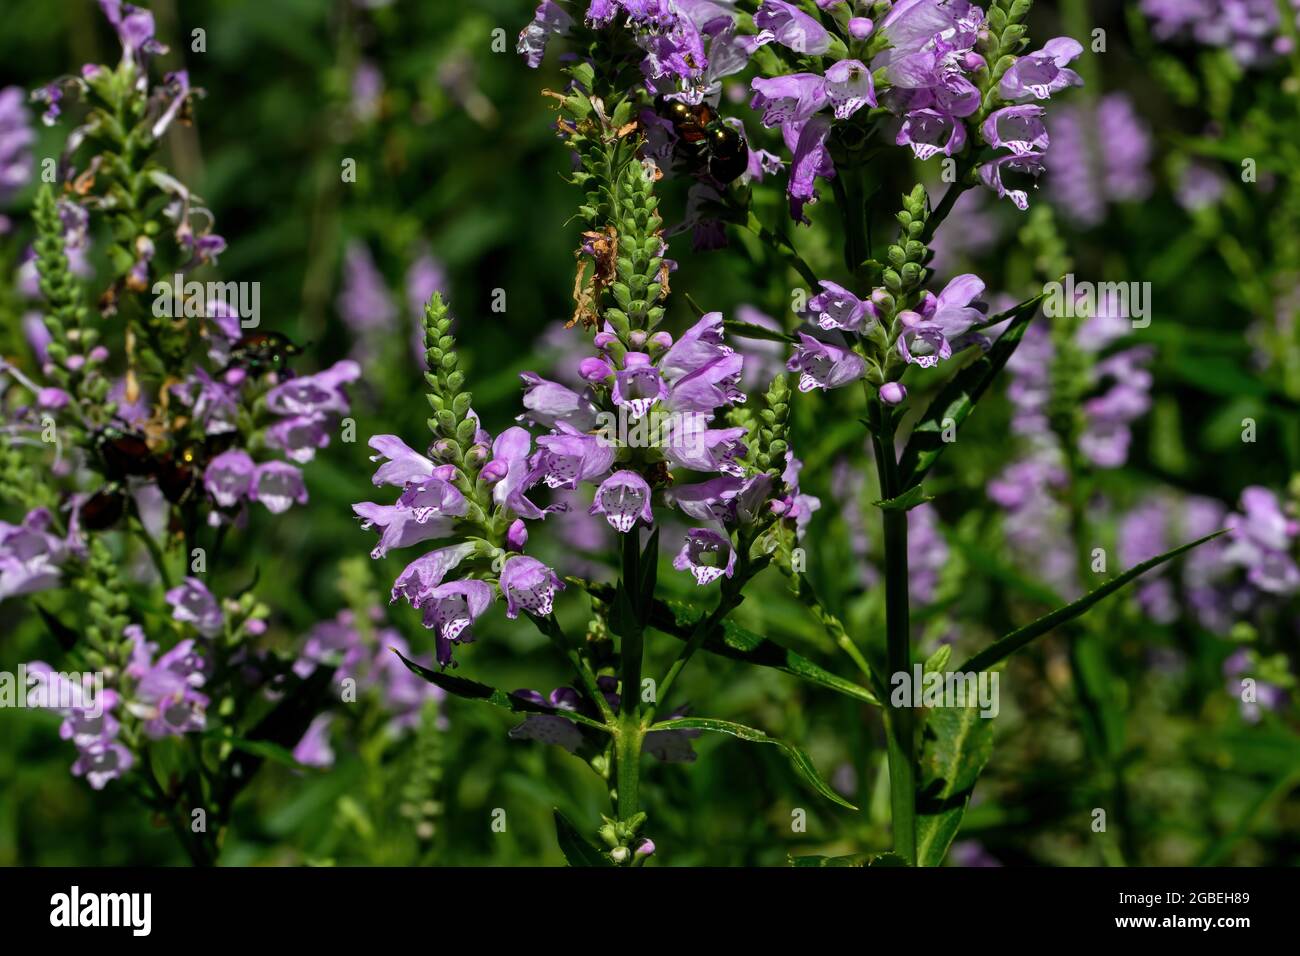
528, 584
707, 554
849, 85
824, 366
278, 485
192, 603
1042, 73
229, 477
450, 609
622, 498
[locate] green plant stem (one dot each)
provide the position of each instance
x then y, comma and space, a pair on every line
629, 732
899, 721
551, 628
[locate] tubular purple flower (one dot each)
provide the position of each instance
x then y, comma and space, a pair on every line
1018, 128
849, 87
792, 98
549, 20
278, 485
529, 585
821, 365
623, 498
228, 477
707, 554
192, 603
426, 572
450, 609
546, 403
299, 437
1042, 73
811, 159
638, 386
312, 394
837, 308
930, 132
571, 456
404, 464
790, 27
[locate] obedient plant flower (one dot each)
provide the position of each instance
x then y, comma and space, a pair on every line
1039, 75
1263, 541
624, 498
822, 365
192, 603
707, 554
30, 555
786, 24
529, 585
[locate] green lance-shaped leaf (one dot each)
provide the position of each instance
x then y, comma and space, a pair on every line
473, 690
956, 400
738, 643
801, 762
748, 330
958, 745
1002, 649
577, 851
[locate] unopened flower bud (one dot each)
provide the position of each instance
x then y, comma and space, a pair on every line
494, 470
860, 28
892, 393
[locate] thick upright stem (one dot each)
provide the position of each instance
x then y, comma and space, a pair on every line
899, 721
628, 738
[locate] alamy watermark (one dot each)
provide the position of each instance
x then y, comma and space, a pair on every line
193, 300
53, 690
960, 689
1125, 300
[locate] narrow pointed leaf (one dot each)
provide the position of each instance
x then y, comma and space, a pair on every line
958, 745
956, 400
748, 330
577, 851
738, 643
1002, 649
473, 690
801, 762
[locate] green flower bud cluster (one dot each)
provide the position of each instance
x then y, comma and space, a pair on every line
107, 604
903, 278
66, 318
620, 835
623, 233
421, 802
453, 427
772, 440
